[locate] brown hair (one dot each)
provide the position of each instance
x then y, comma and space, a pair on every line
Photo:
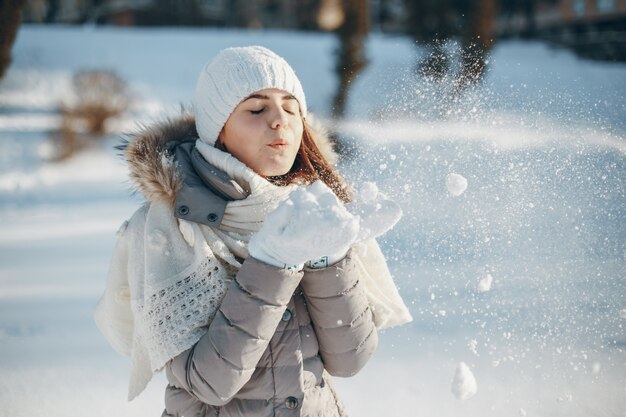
309, 166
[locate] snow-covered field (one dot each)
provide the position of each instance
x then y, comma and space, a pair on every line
511, 254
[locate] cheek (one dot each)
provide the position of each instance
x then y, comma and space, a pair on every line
236, 136
301, 134
298, 129
299, 143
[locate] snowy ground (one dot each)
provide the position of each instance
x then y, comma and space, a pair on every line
520, 272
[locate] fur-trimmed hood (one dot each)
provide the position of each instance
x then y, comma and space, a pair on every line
152, 167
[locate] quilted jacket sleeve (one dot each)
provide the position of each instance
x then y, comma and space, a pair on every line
341, 316
223, 360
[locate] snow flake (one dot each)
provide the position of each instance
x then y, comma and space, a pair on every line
473, 346
485, 282
596, 367
567, 397
464, 383
456, 184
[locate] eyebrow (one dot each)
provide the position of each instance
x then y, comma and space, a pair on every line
264, 97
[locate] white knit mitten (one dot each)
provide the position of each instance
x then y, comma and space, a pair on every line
376, 212
310, 224
377, 215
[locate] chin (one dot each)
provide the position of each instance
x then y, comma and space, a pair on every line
274, 172
275, 169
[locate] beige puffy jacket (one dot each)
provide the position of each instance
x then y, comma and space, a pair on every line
270, 348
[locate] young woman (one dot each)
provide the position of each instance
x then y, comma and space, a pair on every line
245, 275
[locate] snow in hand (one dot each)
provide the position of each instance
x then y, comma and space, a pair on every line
310, 224
463, 383
313, 223
456, 184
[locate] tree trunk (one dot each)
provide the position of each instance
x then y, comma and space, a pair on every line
351, 54
10, 19
477, 41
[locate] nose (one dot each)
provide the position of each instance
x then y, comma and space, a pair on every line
278, 118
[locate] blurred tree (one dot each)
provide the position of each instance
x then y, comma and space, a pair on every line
428, 20
306, 14
528, 7
477, 41
52, 10
352, 33
99, 96
525, 8
10, 18
432, 23
243, 13
171, 12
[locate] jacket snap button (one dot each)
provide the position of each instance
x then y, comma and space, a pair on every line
291, 402
287, 315
183, 210
211, 217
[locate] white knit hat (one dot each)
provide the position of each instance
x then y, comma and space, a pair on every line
233, 75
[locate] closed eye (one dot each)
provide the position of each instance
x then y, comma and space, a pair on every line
291, 107
257, 111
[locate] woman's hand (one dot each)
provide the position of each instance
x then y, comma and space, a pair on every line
310, 224
376, 212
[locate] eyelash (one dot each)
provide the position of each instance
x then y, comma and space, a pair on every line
261, 111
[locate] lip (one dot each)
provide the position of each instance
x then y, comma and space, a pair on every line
279, 144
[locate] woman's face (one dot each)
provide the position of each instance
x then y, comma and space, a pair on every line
264, 132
